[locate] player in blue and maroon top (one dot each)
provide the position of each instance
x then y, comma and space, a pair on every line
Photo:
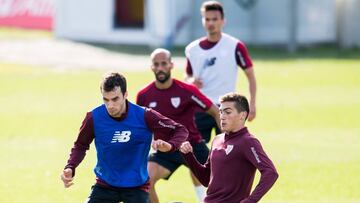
178, 101
122, 132
234, 157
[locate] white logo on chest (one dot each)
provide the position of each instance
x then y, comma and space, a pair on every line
229, 148
123, 136
152, 104
175, 101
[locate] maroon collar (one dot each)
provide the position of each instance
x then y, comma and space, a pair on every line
206, 44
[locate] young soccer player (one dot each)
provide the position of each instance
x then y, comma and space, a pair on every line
234, 157
212, 64
122, 132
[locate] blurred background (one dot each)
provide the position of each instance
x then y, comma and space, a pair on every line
286, 23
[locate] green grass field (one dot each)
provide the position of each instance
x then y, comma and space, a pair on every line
307, 115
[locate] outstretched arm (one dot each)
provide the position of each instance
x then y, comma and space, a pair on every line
202, 172
165, 129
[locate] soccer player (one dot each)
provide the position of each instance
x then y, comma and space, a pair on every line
212, 64
178, 101
234, 157
122, 132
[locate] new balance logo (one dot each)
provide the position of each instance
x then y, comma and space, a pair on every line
123, 136
210, 62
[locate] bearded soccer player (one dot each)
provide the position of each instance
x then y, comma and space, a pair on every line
178, 101
212, 64
234, 157
122, 132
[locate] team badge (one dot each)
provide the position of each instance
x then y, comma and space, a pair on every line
152, 104
229, 148
175, 101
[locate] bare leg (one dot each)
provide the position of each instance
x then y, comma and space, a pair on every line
156, 172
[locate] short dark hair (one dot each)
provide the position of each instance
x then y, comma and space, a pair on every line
112, 80
241, 103
212, 6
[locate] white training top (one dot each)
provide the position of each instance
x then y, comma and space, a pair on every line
216, 67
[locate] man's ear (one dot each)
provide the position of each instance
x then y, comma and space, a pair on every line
152, 68
243, 115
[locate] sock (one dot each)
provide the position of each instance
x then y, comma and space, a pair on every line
200, 192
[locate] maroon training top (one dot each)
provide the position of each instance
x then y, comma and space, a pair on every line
178, 102
230, 169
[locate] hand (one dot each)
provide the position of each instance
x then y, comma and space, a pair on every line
198, 83
161, 145
67, 177
252, 112
186, 147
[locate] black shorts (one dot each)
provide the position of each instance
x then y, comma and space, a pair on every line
205, 123
173, 160
102, 194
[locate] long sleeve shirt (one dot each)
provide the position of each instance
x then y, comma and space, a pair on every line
230, 169
162, 127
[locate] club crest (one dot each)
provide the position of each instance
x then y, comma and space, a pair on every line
175, 101
229, 148
152, 104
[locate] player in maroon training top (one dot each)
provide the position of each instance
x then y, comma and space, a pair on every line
178, 101
234, 157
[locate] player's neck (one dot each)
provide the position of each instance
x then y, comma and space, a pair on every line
214, 37
237, 128
164, 85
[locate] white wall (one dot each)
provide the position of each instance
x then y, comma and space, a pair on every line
92, 20
170, 21
349, 23
268, 22
317, 21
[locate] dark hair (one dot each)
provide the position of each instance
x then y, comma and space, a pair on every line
241, 103
112, 80
212, 6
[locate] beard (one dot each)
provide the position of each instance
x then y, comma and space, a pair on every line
162, 77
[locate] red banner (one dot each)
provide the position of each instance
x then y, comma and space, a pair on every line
36, 14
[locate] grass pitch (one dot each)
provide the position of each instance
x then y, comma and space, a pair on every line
307, 121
